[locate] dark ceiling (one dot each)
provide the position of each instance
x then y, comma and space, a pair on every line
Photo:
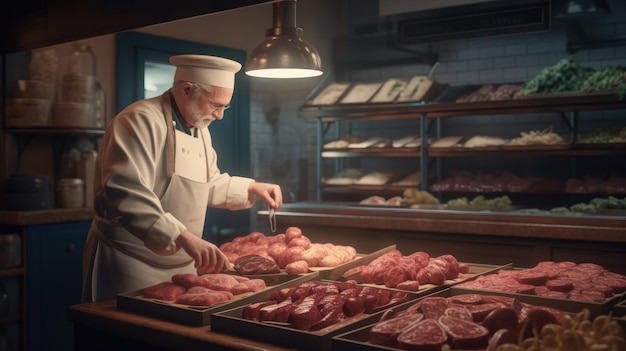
38, 23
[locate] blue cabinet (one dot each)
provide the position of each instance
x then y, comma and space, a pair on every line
54, 282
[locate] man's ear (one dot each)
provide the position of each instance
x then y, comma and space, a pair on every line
186, 88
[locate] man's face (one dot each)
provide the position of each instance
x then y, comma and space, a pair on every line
203, 107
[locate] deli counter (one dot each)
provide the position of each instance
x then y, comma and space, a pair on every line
474, 236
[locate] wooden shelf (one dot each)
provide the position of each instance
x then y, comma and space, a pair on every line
558, 102
55, 130
12, 272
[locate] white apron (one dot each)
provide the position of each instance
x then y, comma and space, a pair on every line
117, 261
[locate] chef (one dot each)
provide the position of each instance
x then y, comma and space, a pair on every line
156, 173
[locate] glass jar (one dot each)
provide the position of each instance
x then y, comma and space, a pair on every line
70, 193
78, 79
80, 61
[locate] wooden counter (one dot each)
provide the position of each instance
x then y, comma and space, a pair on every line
55, 215
479, 237
102, 326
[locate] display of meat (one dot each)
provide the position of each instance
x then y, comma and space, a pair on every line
203, 290
489, 92
396, 270
563, 280
463, 322
479, 182
611, 185
316, 305
283, 249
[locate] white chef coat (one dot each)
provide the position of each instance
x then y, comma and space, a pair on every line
152, 183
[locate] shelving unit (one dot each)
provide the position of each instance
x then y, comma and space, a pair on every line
430, 116
60, 137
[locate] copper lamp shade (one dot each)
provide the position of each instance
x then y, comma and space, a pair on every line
284, 53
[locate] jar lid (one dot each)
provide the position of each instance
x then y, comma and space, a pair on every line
74, 181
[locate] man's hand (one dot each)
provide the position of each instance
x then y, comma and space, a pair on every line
208, 257
270, 193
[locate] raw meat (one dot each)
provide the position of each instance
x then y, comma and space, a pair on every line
306, 314
433, 307
385, 333
251, 311
297, 267
248, 286
166, 291
208, 298
189, 280
426, 335
219, 281
256, 264
464, 334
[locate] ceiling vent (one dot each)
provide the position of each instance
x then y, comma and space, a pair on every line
484, 19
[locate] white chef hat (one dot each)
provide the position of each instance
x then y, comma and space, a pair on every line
211, 70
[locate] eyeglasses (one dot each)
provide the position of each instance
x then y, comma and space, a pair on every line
218, 107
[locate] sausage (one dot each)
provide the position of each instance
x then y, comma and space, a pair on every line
385, 332
426, 335
464, 334
433, 307
479, 312
501, 318
458, 312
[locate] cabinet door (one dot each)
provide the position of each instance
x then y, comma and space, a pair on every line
54, 275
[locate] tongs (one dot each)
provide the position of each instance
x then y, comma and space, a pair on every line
272, 219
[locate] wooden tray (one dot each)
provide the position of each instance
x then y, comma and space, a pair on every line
572, 306
475, 270
231, 322
201, 316
358, 339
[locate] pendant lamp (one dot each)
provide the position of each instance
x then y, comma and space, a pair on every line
284, 53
